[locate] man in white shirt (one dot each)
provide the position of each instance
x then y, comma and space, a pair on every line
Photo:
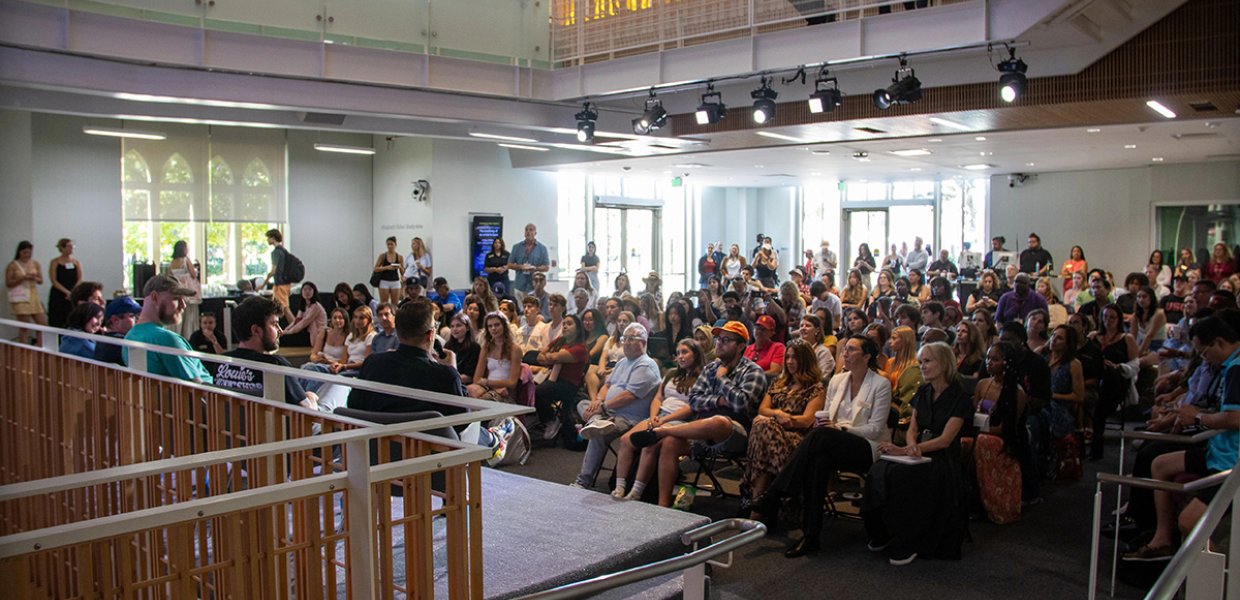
826, 261
823, 298
532, 335
917, 258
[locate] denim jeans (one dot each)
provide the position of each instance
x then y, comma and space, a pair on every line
596, 449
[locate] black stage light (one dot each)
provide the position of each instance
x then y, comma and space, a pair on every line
763, 102
712, 109
585, 123
826, 96
654, 117
1012, 82
905, 88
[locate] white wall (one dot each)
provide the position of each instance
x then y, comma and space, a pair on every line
1107, 212
16, 224
330, 208
737, 215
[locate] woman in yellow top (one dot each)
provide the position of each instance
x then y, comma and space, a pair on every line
21, 278
902, 371
1075, 264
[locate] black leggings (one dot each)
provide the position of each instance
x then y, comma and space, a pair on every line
548, 393
823, 453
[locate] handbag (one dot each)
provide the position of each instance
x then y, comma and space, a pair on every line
19, 293
375, 278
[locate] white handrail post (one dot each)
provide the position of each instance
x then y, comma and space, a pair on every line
1093, 550
361, 521
694, 585
1205, 578
1233, 553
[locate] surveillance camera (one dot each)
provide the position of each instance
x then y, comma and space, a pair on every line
685, 174
627, 168
1018, 179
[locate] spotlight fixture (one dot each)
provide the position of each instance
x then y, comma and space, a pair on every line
712, 109
904, 89
1012, 82
585, 123
763, 102
654, 117
826, 96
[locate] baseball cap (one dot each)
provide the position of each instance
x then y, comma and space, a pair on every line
766, 322
166, 283
733, 327
121, 306
797, 271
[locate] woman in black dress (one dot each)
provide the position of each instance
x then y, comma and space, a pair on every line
913, 510
64, 272
1118, 348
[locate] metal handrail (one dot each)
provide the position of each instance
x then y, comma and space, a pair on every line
1174, 574
1177, 438
750, 531
1166, 486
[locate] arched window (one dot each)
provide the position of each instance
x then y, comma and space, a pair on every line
223, 193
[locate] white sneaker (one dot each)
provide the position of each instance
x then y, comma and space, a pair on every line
576, 485
598, 429
618, 494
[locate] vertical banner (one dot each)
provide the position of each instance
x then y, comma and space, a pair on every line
484, 229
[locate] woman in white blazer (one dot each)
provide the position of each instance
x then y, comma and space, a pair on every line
845, 438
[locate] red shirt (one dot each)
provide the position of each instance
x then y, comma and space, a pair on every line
772, 354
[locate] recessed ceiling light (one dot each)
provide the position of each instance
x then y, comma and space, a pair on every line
915, 169
947, 123
1129, 146
1092, 130
820, 152
1160, 109
759, 166
506, 138
520, 147
344, 149
911, 152
780, 136
1157, 159
1028, 164
125, 133
977, 167
815, 174
980, 138
934, 140
688, 166
862, 180
985, 153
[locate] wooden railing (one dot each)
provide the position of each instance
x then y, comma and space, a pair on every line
120, 484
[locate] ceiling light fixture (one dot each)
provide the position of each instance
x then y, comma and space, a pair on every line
125, 133
911, 152
712, 109
506, 138
980, 138
653, 118
1012, 82
977, 167
764, 102
344, 149
947, 123
826, 96
1093, 130
905, 88
780, 136
585, 123
1160, 109
520, 147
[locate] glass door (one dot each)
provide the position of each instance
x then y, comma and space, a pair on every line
627, 239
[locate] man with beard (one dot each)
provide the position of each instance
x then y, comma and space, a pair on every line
163, 303
256, 324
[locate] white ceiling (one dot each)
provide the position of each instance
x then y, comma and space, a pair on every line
1069, 149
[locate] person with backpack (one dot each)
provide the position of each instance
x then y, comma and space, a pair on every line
286, 270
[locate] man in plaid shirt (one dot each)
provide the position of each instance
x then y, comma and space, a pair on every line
725, 396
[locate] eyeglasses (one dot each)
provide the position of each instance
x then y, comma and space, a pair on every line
725, 339
631, 338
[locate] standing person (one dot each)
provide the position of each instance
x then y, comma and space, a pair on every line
996, 245
278, 277
162, 308
1162, 272
1076, 263
766, 266
1186, 262
418, 265
917, 258
733, 263
528, 258
1118, 349
708, 265
390, 266
256, 325
893, 262
22, 277
64, 272
1035, 259
182, 268
496, 267
826, 262
590, 263
864, 263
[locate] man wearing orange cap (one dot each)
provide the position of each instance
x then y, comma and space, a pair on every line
726, 394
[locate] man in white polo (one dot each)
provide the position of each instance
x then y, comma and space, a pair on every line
622, 402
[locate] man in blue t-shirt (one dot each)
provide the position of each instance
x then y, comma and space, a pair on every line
528, 258
162, 306
622, 403
1217, 338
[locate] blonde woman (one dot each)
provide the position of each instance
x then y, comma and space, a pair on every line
482, 290
64, 272
785, 415
854, 293
389, 266
885, 285
418, 262
499, 363
902, 370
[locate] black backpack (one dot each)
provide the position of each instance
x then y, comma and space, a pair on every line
294, 269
